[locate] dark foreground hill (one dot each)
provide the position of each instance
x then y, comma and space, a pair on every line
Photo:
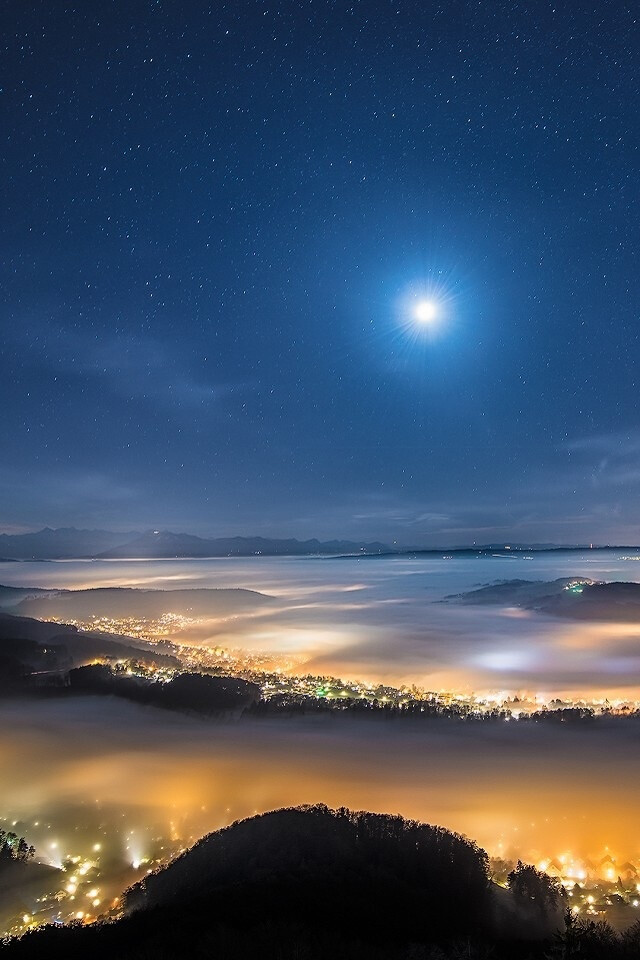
311, 883
346, 858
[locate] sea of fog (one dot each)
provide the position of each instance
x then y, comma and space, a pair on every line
100, 769
382, 619
117, 783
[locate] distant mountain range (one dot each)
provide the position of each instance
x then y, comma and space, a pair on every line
60, 544
68, 543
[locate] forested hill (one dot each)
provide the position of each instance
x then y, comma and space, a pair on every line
577, 598
347, 858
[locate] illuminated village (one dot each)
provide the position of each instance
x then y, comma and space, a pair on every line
281, 675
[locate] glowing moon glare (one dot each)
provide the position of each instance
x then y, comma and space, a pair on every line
426, 311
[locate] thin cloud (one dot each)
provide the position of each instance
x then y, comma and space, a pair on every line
136, 367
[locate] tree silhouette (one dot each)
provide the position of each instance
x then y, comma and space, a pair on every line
529, 884
14, 848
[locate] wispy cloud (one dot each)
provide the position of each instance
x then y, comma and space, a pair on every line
613, 444
138, 367
404, 517
609, 459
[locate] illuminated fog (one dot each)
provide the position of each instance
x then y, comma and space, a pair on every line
139, 783
376, 619
536, 790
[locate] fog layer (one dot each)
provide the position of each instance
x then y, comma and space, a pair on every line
525, 789
379, 619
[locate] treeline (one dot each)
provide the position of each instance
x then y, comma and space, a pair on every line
589, 940
178, 934
286, 704
210, 693
192, 692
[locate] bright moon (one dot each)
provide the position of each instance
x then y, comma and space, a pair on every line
426, 311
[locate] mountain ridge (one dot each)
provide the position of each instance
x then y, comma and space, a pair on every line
66, 543
71, 543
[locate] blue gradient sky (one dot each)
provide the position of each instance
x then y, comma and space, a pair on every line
218, 221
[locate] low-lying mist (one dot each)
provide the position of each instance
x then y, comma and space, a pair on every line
380, 619
514, 787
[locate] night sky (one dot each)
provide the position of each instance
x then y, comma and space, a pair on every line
219, 220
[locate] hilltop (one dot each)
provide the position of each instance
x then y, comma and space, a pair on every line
128, 602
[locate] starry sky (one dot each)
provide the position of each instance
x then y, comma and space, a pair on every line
218, 222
